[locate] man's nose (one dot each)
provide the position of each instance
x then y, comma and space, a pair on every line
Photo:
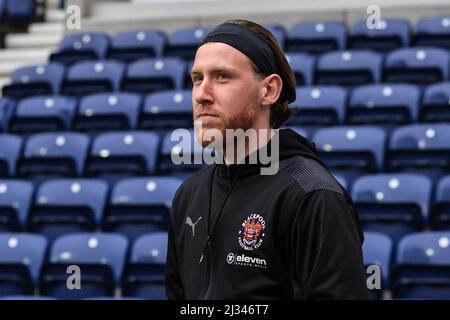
203, 93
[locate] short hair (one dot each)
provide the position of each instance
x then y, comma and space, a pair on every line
280, 112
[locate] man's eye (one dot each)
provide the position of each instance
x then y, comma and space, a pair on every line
196, 79
222, 76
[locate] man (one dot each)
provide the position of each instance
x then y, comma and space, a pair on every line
236, 233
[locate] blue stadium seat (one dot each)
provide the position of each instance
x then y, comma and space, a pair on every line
440, 209
388, 35
420, 148
100, 257
279, 32
15, 201
20, 12
187, 84
2, 11
384, 104
35, 80
133, 45
317, 37
183, 43
93, 76
351, 150
10, 150
140, 205
7, 107
63, 206
377, 250
342, 181
81, 46
320, 105
154, 74
183, 146
123, 153
435, 103
393, 204
416, 65
43, 113
422, 269
303, 66
21, 258
433, 32
349, 68
167, 109
108, 111
55, 153
144, 274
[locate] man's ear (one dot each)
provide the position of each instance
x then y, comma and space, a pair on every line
272, 89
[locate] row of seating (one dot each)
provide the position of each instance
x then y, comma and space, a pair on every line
17, 12
418, 270
417, 65
312, 37
29, 264
104, 262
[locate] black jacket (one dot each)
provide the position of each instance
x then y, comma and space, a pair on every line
236, 234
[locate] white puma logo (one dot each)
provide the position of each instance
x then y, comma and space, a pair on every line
189, 222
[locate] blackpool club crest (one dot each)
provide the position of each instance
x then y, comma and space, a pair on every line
251, 234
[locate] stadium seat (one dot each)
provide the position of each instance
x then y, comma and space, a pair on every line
435, 103
279, 32
144, 273
56, 153
420, 148
81, 46
388, 35
140, 205
303, 66
63, 206
317, 37
351, 150
377, 250
20, 12
179, 150
154, 74
93, 76
433, 32
108, 111
320, 105
10, 150
7, 107
349, 68
35, 80
15, 201
167, 109
123, 153
440, 209
43, 113
384, 104
183, 43
416, 65
133, 45
422, 267
393, 204
100, 258
21, 258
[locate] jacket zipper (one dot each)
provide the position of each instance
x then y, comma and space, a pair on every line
210, 265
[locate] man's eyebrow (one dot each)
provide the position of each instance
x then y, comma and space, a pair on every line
215, 70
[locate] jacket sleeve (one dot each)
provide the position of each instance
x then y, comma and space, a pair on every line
326, 244
173, 282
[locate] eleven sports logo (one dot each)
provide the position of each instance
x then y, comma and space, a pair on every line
250, 238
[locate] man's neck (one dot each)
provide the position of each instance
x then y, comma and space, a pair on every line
263, 136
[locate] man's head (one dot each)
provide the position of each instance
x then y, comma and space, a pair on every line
230, 91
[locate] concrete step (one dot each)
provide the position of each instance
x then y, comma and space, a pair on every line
55, 15
26, 54
32, 40
6, 68
53, 28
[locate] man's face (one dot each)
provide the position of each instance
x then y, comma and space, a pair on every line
226, 91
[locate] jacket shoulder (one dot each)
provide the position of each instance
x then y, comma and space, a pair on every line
309, 174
